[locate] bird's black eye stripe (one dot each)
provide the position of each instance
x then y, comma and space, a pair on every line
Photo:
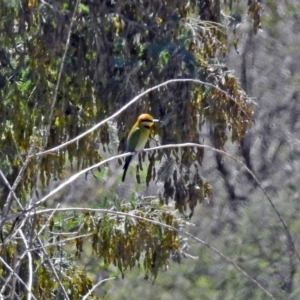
147, 121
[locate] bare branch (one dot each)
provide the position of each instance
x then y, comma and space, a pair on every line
10, 188
7, 204
47, 222
61, 241
48, 127
118, 213
61, 68
17, 259
75, 176
95, 286
129, 104
53, 268
17, 276
30, 275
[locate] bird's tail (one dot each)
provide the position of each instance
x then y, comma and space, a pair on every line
127, 162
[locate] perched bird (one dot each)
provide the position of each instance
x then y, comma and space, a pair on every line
138, 137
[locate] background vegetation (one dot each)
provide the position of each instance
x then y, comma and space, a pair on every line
65, 66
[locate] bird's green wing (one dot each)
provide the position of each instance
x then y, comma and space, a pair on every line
134, 138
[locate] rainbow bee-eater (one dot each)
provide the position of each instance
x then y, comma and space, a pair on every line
138, 137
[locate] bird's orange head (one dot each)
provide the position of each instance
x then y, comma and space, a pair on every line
146, 120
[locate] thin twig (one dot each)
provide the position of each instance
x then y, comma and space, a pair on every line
95, 286
17, 276
53, 269
9, 286
62, 241
55, 96
17, 259
61, 68
48, 220
10, 189
8, 201
231, 262
30, 275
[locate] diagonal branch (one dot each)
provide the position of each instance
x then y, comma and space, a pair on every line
17, 276
75, 176
53, 268
61, 68
8, 202
118, 213
85, 297
130, 103
30, 266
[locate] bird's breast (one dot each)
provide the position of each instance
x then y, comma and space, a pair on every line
141, 144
